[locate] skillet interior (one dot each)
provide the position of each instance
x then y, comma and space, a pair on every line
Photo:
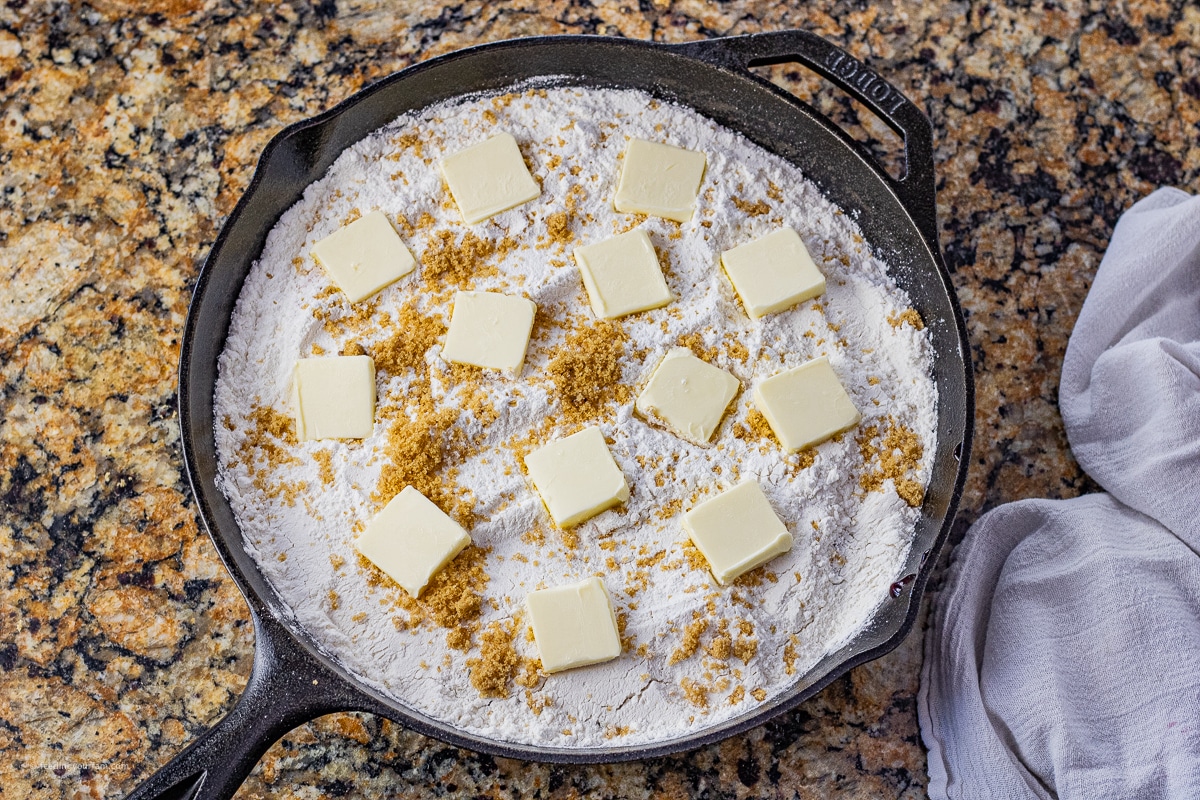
733, 98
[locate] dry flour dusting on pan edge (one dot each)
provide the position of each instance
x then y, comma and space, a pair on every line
693, 653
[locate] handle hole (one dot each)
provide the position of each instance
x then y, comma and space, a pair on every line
860, 122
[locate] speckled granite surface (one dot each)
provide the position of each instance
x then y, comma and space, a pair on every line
128, 131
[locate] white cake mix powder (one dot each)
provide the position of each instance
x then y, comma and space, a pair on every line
695, 654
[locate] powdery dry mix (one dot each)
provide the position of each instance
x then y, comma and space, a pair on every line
694, 653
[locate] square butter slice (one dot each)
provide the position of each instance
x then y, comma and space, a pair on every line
489, 329
334, 398
577, 477
488, 178
773, 273
806, 405
411, 539
573, 625
622, 275
687, 395
365, 256
737, 531
659, 180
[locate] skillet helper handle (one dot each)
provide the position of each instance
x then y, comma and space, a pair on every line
916, 188
285, 690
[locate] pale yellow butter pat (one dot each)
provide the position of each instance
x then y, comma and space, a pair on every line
687, 395
364, 256
573, 625
806, 405
773, 273
659, 180
577, 477
622, 275
489, 329
488, 178
737, 531
334, 398
411, 539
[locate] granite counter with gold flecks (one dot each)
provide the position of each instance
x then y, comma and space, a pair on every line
128, 131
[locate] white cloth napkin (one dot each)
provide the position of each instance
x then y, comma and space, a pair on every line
1063, 654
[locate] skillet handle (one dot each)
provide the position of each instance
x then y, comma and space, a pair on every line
916, 187
286, 689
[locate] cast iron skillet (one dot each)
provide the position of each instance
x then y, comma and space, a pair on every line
292, 680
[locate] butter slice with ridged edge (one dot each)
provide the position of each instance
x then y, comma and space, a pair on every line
573, 625
411, 540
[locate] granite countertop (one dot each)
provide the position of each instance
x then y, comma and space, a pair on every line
129, 130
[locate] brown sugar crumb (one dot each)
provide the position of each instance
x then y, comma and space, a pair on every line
695, 342
336, 561
317, 350
759, 694
537, 704
586, 371
459, 262
406, 348
498, 662
896, 457
694, 558
452, 599
335, 602
353, 349
909, 316
269, 431
756, 209
558, 227
410, 141
720, 646
755, 429
616, 731
529, 674
691, 642
695, 692
745, 648
490, 116
415, 452
737, 695
324, 460
789, 657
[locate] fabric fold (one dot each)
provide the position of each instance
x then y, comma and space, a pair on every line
1063, 653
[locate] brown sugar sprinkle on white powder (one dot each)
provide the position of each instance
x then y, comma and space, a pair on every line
694, 653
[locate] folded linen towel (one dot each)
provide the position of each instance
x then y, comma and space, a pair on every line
1063, 653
